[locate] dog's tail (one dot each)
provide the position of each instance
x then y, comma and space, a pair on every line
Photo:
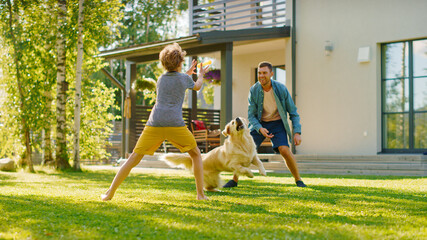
178, 160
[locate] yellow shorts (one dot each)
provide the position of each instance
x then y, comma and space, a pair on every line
152, 137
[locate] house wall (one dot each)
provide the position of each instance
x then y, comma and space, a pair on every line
338, 98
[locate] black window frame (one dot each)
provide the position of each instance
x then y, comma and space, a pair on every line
411, 112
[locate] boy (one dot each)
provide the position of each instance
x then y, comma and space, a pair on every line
165, 121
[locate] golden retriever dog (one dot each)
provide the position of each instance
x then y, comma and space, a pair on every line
236, 155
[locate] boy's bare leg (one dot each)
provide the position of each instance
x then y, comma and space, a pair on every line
290, 161
121, 175
198, 172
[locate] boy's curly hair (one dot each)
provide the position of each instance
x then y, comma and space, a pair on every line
172, 56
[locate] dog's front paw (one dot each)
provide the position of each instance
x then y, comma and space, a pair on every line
262, 172
249, 174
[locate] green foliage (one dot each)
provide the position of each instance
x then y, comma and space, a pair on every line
144, 83
96, 119
146, 88
8, 124
420, 134
36, 28
9, 142
97, 100
160, 204
24, 51
208, 93
148, 21
107, 24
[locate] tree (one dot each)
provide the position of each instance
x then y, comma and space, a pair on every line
148, 21
35, 71
98, 28
18, 44
45, 44
61, 87
77, 106
101, 20
37, 68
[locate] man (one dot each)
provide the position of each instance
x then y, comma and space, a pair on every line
269, 105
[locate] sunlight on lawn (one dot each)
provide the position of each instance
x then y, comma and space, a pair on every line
160, 204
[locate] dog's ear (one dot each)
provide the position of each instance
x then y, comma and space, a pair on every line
226, 131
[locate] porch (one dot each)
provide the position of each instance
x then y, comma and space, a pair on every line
218, 30
221, 45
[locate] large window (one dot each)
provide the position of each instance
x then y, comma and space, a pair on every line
404, 96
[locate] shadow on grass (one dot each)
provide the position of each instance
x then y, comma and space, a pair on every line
4, 178
95, 176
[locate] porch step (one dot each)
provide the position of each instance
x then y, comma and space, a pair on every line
395, 165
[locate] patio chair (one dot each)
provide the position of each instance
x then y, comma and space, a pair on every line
206, 139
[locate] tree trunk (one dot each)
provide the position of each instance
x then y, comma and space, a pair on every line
147, 26
17, 60
61, 142
78, 97
47, 148
47, 128
28, 149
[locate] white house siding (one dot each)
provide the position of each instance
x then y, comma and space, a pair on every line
339, 99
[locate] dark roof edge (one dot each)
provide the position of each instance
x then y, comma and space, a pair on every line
244, 34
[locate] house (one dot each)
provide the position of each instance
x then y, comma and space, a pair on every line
357, 70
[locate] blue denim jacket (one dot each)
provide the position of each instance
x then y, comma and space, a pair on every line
284, 102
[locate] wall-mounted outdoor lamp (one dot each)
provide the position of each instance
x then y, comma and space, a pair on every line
328, 48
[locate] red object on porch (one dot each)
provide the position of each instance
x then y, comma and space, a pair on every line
199, 125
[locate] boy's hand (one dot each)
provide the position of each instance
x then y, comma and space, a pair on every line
202, 71
191, 71
199, 82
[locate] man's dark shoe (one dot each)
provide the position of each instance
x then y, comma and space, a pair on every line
300, 183
230, 184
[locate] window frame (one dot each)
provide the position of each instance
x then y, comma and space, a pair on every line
411, 111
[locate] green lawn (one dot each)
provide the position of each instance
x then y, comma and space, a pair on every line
160, 204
